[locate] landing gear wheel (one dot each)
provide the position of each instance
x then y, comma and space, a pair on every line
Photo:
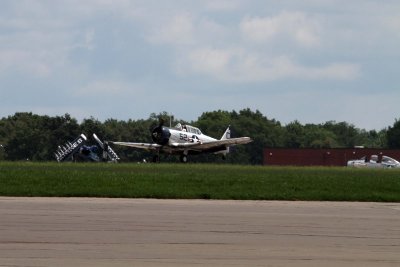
183, 158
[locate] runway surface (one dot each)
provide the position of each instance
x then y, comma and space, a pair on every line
146, 232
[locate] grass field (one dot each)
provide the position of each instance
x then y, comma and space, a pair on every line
204, 181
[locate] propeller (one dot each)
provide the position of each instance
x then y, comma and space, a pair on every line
161, 134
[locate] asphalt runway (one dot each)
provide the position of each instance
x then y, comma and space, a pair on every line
147, 232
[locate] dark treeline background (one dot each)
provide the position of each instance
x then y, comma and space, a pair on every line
26, 136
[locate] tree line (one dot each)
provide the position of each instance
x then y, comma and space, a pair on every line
28, 136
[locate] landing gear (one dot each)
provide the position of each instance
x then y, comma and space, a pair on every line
183, 158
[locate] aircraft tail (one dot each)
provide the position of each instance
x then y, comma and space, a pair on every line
226, 135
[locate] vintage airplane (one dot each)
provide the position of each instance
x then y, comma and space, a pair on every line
67, 151
78, 151
184, 140
375, 161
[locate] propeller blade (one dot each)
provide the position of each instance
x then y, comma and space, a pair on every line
161, 122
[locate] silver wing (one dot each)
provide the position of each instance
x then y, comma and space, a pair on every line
145, 146
212, 144
188, 146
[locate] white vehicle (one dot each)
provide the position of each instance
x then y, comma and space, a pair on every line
184, 140
374, 161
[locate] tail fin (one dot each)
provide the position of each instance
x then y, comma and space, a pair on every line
227, 134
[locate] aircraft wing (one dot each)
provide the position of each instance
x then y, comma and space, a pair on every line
70, 148
189, 146
110, 153
145, 146
212, 144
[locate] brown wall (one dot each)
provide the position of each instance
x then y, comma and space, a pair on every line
321, 157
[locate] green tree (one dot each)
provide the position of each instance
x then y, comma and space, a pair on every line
372, 138
91, 126
32, 137
294, 135
246, 122
264, 132
214, 123
315, 136
393, 135
346, 134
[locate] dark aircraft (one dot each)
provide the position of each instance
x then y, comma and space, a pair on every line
78, 151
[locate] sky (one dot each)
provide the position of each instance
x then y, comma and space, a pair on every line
312, 60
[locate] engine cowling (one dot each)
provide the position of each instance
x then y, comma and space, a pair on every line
161, 135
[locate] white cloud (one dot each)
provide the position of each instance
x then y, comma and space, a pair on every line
117, 50
223, 5
178, 30
240, 65
35, 52
88, 40
103, 87
36, 42
208, 31
210, 60
393, 24
259, 29
23, 61
299, 27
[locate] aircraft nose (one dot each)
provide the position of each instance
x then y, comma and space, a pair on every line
161, 135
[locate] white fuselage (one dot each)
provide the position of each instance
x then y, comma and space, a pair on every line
182, 137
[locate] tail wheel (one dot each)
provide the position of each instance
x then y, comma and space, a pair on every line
184, 158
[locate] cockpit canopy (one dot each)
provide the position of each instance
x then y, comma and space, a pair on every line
188, 128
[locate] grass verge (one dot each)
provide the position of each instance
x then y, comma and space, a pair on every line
204, 181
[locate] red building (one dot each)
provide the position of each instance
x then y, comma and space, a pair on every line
321, 157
